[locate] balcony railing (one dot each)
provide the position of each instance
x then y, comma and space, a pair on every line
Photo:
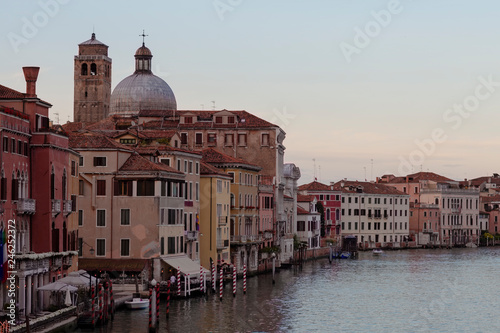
67, 207
246, 239
427, 231
26, 206
222, 220
56, 207
191, 235
222, 243
268, 235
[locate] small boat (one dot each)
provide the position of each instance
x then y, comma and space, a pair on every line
377, 252
345, 255
137, 303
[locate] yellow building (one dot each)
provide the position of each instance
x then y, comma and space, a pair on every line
246, 237
214, 215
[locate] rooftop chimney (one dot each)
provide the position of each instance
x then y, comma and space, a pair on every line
31, 74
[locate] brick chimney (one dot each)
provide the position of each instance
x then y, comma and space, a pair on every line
31, 75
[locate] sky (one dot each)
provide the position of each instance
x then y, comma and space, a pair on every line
362, 88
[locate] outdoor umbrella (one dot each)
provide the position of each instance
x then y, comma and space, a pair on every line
57, 286
77, 279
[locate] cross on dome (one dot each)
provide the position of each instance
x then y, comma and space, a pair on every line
143, 36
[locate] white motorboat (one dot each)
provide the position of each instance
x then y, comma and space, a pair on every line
137, 303
377, 252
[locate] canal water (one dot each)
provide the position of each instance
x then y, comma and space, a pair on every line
400, 291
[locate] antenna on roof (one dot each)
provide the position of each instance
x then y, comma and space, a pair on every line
56, 115
365, 173
213, 105
319, 172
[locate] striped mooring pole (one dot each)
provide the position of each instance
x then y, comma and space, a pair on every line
244, 279
221, 286
157, 302
178, 281
168, 298
202, 289
234, 281
150, 308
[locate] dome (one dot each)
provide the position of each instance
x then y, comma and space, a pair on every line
143, 51
141, 91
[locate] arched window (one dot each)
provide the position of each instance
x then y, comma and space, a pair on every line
93, 69
15, 187
328, 214
3, 184
84, 69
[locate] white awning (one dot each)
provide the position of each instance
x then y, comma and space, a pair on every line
184, 264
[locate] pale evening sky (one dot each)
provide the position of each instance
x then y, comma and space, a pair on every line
349, 81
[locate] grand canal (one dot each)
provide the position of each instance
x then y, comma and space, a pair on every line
400, 291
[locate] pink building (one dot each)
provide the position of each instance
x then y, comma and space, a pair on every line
36, 191
331, 201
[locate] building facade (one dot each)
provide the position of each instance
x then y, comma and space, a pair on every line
377, 215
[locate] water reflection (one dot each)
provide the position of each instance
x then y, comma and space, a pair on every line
418, 291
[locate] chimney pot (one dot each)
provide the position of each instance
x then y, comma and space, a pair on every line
31, 75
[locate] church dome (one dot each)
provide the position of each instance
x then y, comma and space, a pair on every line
142, 90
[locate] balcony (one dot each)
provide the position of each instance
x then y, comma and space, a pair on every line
67, 261
427, 231
26, 206
191, 236
222, 220
56, 207
222, 244
268, 235
246, 239
67, 207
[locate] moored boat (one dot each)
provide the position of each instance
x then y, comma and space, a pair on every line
377, 252
137, 303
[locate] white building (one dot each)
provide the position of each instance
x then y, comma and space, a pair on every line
308, 221
378, 215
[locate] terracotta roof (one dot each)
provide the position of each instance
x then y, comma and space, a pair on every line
207, 169
157, 134
7, 93
137, 162
160, 124
110, 123
73, 126
493, 198
302, 211
93, 140
156, 113
213, 156
366, 187
131, 265
315, 186
417, 177
480, 180
305, 198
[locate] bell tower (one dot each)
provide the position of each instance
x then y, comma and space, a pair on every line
92, 81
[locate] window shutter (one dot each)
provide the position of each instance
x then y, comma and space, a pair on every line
129, 188
116, 186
